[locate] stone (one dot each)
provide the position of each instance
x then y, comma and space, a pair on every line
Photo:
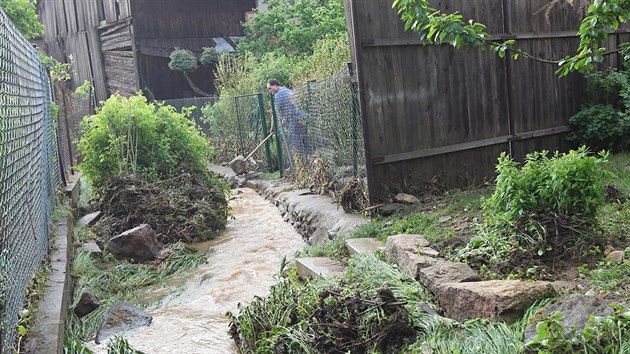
443, 271
93, 248
138, 244
122, 317
406, 198
239, 165
86, 305
563, 286
615, 256
89, 219
503, 300
577, 309
357, 246
390, 208
444, 219
319, 267
401, 243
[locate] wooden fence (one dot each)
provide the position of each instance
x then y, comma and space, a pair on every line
438, 116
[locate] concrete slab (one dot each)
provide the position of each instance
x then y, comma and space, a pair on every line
73, 188
89, 219
319, 267
357, 246
49, 321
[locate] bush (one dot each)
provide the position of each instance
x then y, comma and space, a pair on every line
602, 127
539, 212
209, 56
183, 60
132, 136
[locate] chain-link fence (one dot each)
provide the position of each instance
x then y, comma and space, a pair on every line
29, 174
321, 120
196, 114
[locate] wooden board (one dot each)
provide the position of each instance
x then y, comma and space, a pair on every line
436, 116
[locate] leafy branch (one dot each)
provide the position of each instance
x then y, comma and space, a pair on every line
436, 28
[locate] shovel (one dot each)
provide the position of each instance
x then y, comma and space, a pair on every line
239, 164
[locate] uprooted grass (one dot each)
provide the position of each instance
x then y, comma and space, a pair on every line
110, 280
186, 208
373, 308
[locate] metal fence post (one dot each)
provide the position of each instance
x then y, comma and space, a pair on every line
276, 129
240, 128
263, 122
355, 116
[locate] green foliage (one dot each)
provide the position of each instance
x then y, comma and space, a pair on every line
565, 184
23, 14
109, 280
130, 135
609, 334
439, 27
540, 211
59, 72
293, 26
85, 90
287, 319
209, 56
119, 345
605, 126
74, 346
330, 55
601, 127
611, 276
183, 60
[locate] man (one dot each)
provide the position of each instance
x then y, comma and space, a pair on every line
298, 140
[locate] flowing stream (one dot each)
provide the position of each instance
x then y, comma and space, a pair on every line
242, 261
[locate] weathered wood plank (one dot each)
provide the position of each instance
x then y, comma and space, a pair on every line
440, 115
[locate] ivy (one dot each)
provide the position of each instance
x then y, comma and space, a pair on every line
436, 28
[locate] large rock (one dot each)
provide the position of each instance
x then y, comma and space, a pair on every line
504, 300
577, 309
239, 165
443, 272
138, 244
406, 198
404, 243
413, 256
122, 317
87, 304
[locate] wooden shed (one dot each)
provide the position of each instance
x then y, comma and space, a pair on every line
123, 45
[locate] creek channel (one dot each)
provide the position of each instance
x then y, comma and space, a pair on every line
242, 262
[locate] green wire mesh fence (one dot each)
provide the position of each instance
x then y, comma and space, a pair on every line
29, 174
321, 120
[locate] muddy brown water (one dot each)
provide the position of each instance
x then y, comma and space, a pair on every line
242, 262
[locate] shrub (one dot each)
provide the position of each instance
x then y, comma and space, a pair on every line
183, 60
132, 136
604, 126
209, 56
601, 127
539, 212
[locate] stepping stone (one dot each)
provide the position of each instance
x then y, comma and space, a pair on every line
89, 219
319, 267
93, 248
357, 246
122, 317
502, 300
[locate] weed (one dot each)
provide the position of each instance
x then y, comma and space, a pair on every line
119, 345
109, 280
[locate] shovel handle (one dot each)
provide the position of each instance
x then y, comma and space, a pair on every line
259, 145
